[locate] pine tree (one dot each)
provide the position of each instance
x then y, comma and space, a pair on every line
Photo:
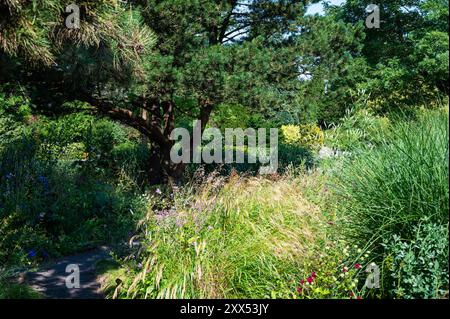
206, 53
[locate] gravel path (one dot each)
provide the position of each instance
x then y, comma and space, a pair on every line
51, 279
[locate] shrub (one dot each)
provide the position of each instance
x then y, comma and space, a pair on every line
14, 112
357, 130
294, 156
418, 268
308, 135
52, 204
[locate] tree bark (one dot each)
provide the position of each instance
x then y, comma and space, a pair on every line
156, 122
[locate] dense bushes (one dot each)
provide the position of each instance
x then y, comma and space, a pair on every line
67, 185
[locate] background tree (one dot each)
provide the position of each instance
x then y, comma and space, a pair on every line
207, 53
408, 54
333, 66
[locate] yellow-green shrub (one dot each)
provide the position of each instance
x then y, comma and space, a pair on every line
306, 135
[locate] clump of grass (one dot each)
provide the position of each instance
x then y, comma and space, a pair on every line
11, 289
17, 291
390, 189
249, 238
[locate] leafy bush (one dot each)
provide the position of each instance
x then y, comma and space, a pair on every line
418, 268
14, 112
52, 202
294, 156
307, 135
357, 130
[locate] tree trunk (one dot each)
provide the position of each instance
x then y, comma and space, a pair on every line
156, 123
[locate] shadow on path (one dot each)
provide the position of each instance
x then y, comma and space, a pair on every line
51, 279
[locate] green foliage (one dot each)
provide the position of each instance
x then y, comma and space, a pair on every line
357, 130
332, 69
35, 30
14, 112
384, 193
224, 241
56, 200
407, 55
17, 291
10, 289
338, 273
309, 136
231, 116
389, 189
418, 268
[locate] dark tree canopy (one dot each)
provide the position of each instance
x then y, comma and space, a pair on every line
150, 63
204, 53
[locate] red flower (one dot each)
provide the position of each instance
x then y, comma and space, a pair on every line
314, 275
359, 298
302, 282
310, 280
345, 269
299, 290
358, 266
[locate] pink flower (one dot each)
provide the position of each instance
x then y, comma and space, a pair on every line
299, 290
314, 275
345, 269
358, 266
302, 282
310, 280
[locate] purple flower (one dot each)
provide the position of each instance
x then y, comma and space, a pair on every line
158, 191
31, 253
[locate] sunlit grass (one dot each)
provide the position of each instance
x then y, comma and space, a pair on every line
249, 238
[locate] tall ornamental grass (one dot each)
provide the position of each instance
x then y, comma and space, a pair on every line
390, 189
